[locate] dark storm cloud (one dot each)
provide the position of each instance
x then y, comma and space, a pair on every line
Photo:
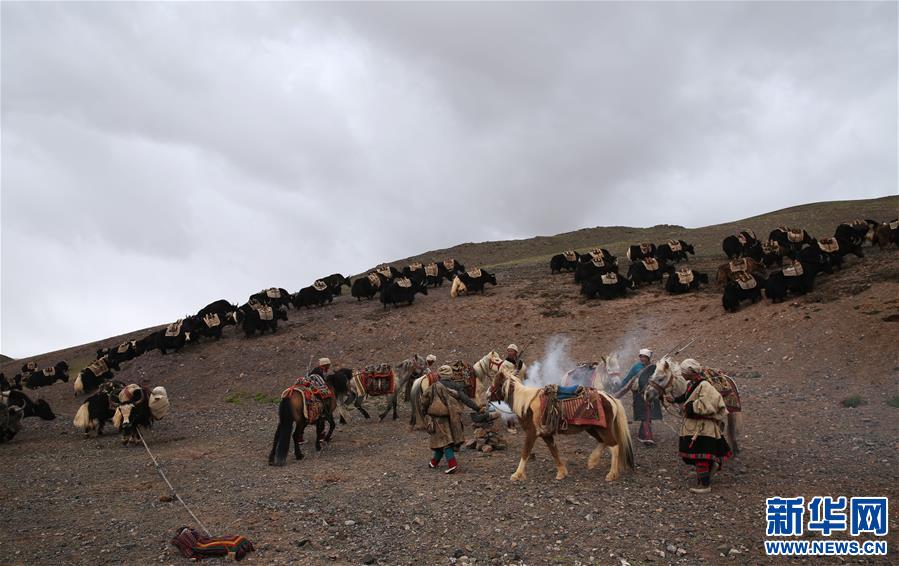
157, 156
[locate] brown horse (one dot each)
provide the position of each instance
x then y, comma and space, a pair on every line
526, 404
293, 409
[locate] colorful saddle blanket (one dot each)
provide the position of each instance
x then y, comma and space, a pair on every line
376, 380
726, 387
462, 373
584, 409
193, 545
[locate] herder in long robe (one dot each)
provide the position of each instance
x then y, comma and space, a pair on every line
443, 406
513, 354
643, 413
702, 441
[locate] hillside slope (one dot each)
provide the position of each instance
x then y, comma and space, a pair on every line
369, 496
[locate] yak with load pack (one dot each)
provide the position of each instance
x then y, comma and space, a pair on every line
91, 377
594, 268
99, 408
434, 275
367, 287
401, 290
471, 282
744, 286
641, 251
335, 282
797, 278
674, 251
645, 271
790, 238
567, 260
684, 280
605, 286
257, 317
47, 376
415, 272
317, 294
741, 244
274, 296
209, 326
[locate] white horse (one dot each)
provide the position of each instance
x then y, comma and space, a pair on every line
667, 383
484, 369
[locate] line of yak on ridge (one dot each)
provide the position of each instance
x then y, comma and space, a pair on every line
260, 313
743, 277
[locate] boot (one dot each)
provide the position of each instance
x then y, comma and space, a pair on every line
433, 463
452, 465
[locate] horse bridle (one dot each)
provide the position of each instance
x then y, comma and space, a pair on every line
662, 389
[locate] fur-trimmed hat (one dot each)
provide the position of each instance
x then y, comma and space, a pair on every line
691, 364
445, 371
324, 362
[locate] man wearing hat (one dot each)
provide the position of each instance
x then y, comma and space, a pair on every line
512, 356
702, 442
317, 375
431, 360
644, 413
442, 405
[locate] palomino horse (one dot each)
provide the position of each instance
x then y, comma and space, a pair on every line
667, 383
485, 369
528, 407
290, 411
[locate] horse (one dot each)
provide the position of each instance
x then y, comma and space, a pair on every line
667, 383
528, 407
290, 411
406, 372
484, 369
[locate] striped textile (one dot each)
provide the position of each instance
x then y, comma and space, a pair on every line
193, 545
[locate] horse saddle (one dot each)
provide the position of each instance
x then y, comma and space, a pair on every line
449, 263
684, 276
745, 280
569, 391
582, 409
737, 265
273, 293
829, 245
417, 266
431, 270
609, 278
726, 387
404, 282
474, 273
174, 329
99, 367
570, 255
675, 245
211, 320
374, 280
646, 247
795, 235
651, 264
793, 270
378, 380
319, 285
598, 261
49, 372
265, 312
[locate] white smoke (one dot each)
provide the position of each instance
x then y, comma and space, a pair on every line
554, 364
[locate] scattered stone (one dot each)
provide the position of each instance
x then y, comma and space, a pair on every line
349, 522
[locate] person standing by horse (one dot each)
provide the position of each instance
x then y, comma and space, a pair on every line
513, 356
443, 405
702, 442
430, 360
318, 373
643, 412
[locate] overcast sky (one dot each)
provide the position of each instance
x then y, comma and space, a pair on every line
157, 156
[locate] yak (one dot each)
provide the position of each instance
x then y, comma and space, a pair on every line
220, 307
99, 408
886, 234
172, 337
726, 271
743, 244
684, 280
274, 296
401, 290
790, 238
845, 244
91, 377
567, 261
256, 317
49, 376
746, 287
645, 271
208, 326
415, 273
4, 383
797, 278
451, 268
335, 282
471, 282
590, 269
435, 274
674, 251
641, 251
39, 408
367, 287
316, 294
605, 286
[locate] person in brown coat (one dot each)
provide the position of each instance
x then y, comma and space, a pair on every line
443, 408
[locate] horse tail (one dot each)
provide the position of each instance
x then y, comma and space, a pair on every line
623, 434
282, 433
416, 419
734, 422
457, 288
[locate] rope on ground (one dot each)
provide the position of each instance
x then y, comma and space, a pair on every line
171, 487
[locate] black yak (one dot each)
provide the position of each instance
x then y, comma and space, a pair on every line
684, 280
589, 269
401, 290
605, 286
644, 271
257, 317
641, 251
39, 408
316, 294
99, 408
367, 287
568, 261
745, 287
471, 282
797, 278
48, 376
274, 296
93, 375
674, 251
335, 282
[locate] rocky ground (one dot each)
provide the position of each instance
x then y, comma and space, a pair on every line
370, 498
